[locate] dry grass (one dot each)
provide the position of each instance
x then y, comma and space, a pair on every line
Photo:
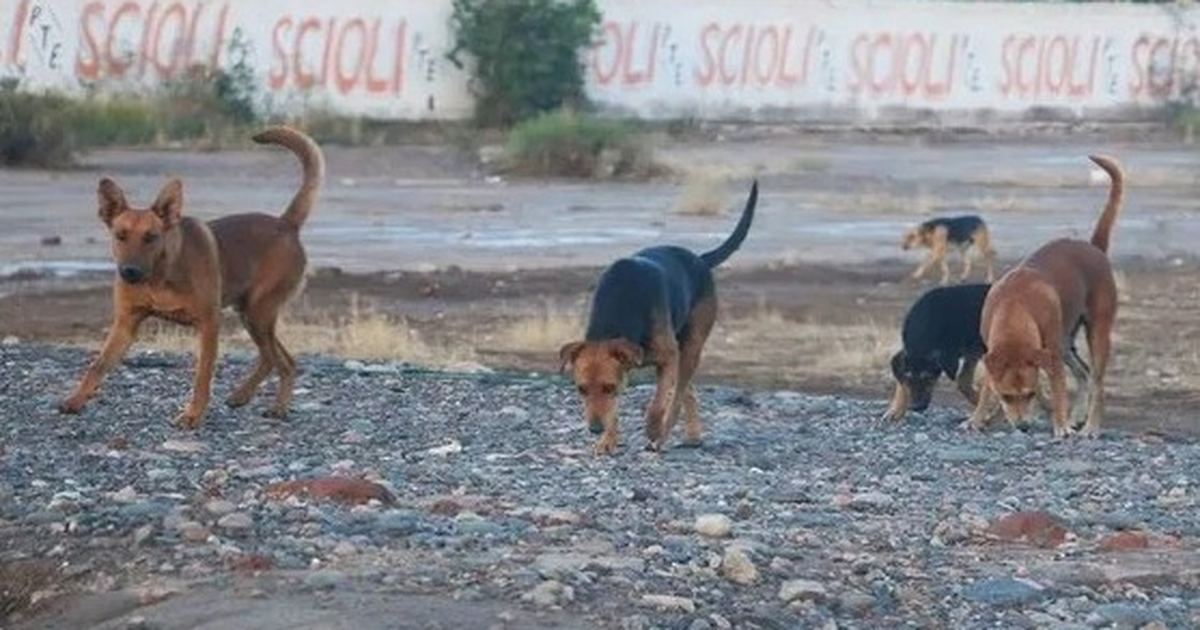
21, 581
923, 202
856, 352
702, 194
544, 332
362, 333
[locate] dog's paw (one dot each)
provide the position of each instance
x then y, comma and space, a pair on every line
274, 413
1063, 432
890, 416
691, 442
187, 420
70, 406
605, 445
969, 426
1089, 431
237, 399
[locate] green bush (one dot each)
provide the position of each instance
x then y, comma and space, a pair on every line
564, 144
118, 121
34, 128
525, 54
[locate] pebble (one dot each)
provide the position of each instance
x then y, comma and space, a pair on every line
737, 567
519, 507
670, 603
802, 589
713, 525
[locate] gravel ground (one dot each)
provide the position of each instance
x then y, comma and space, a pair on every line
798, 511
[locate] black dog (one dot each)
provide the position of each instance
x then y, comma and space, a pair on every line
941, 331
657, 307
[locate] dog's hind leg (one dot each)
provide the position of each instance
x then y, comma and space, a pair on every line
965, 255
1099, 341
700, 324
983, 244
262, 368
116, 344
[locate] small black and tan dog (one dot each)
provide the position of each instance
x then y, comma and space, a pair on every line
940, 234
941, 336
655, 307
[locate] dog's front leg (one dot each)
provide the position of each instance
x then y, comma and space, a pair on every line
116, 344
663, 403
208, 330
966, 379
979, 416
899, 405
609, 438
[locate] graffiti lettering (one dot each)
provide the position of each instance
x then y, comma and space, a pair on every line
159, 39
1035, 66
754, 55
903, 64
1163, 66
619, 58
355, 55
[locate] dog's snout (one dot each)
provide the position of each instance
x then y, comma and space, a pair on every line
596, 426
130, 273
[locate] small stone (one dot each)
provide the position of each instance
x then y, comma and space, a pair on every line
124, 495
184, 446
872, 501
220, 507
10, 340
1004, 591
737, 567
546, 594
137, 623
344, 548
713, 525
325, 579
141, 534
236, 522
669, 603
792, 590
192, 531
51, 241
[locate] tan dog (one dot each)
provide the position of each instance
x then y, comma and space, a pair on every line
942, 233
180, 269
658, 306
1032, 313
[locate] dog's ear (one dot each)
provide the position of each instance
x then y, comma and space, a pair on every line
168, 207
627, 352
111, 201
567, 354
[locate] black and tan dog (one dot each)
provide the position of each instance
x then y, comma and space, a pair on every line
175, 267
656, 307
940, 336
940, 234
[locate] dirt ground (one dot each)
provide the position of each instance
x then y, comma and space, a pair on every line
808, 327
488, 271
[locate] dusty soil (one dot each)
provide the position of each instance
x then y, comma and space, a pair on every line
808, 327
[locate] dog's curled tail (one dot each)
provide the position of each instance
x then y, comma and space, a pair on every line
311, 159
1116, 192
731, 244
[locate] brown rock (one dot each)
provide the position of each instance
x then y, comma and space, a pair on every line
251, 563
1124, 541
347, 490
1031, 527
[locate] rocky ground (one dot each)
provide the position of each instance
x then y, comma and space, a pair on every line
396, 497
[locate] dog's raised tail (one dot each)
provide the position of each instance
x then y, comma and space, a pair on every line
731, 244
1116, 192
312, 160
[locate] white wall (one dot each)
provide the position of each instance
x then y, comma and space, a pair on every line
780, 59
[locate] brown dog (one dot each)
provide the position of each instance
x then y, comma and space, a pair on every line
1031, 315
942, 233
183, 270
657, 306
